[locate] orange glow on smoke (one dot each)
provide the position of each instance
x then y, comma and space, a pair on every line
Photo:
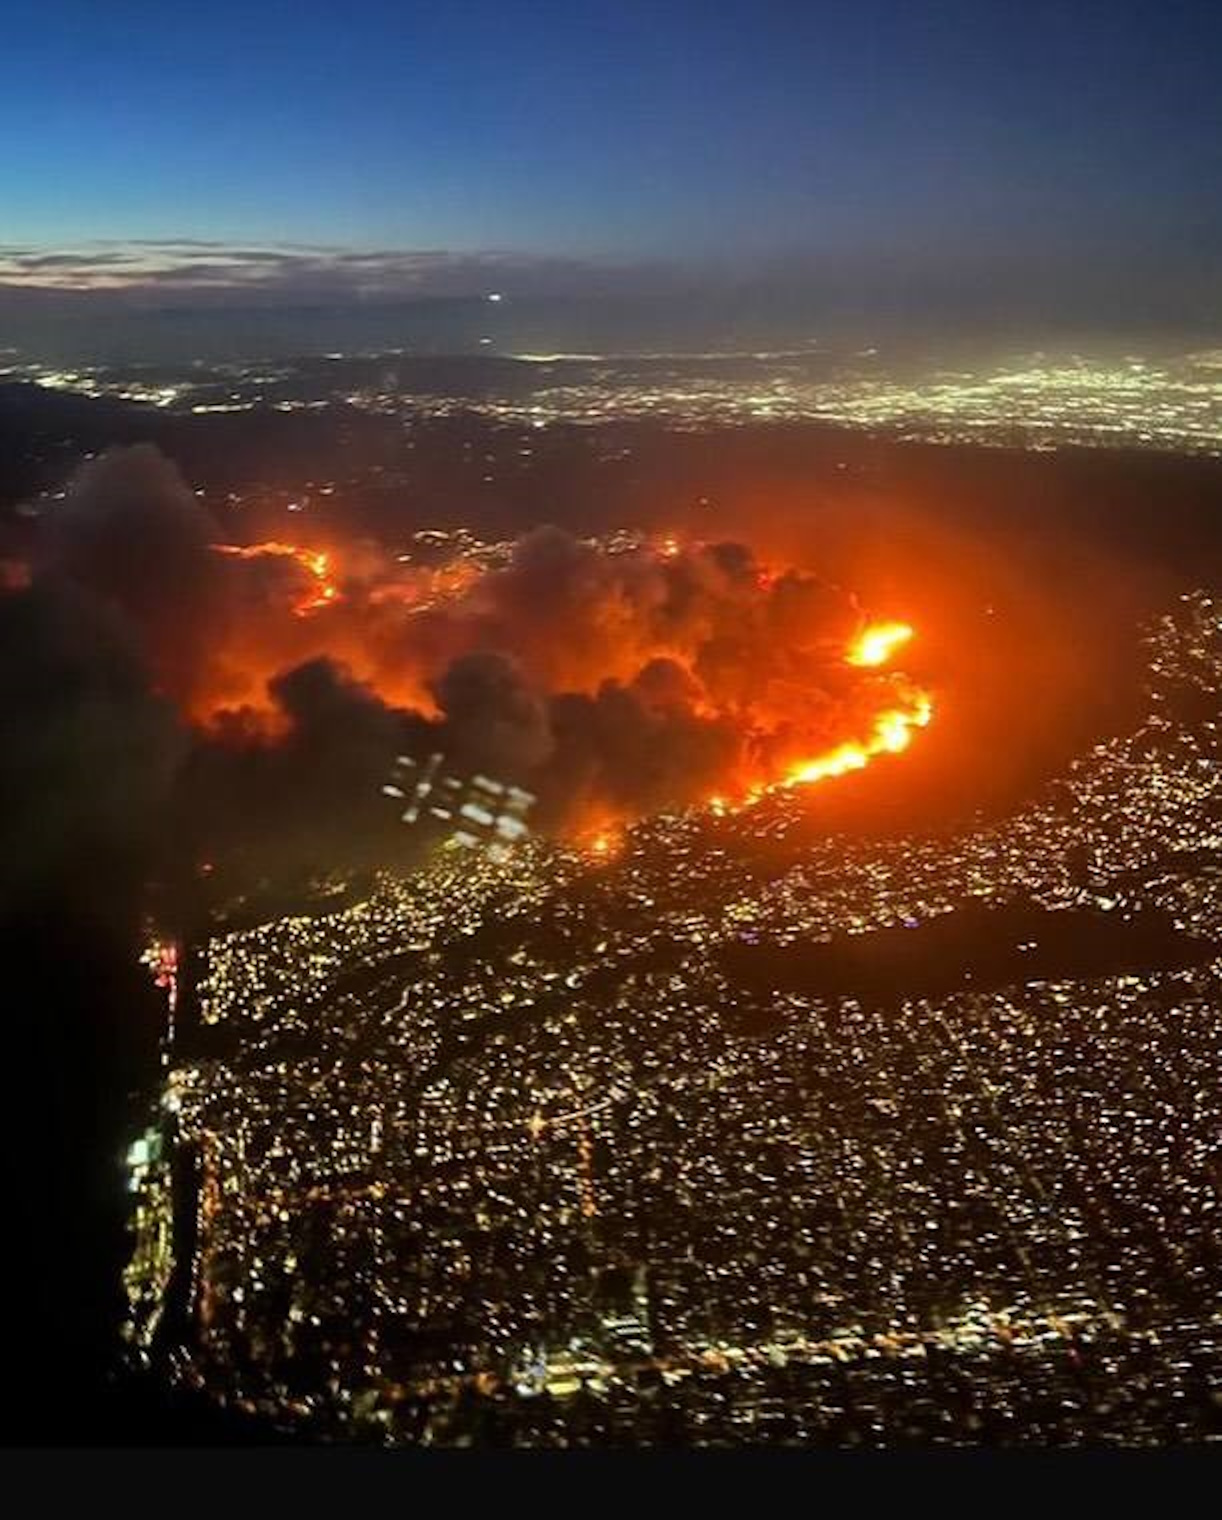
784, 689
338, 604
15, 575
316, 562
878, 643
891, 735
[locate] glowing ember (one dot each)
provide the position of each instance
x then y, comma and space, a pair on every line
15, 575
878, 643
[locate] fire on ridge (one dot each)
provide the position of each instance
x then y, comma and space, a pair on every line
891, 734
463, 592
315, 562
613, 676
876, 644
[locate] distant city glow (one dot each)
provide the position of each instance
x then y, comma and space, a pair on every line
1169, 402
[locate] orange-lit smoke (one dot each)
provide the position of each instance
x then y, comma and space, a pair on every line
613, 678
315, 562
890, 734
638, 675
283, 604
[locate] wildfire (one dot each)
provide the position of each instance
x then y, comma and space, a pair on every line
892, 733
904, 707
892, 730
316, 562
878, 643
601, 840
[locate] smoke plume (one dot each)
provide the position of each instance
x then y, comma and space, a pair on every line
612, 679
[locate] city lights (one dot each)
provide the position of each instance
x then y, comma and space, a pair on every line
509, 1128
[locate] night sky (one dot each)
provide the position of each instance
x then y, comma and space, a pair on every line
1065, 140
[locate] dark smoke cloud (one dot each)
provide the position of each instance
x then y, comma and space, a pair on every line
131, 534
308, 800
609, 683
491, 717
88, 757
622, 750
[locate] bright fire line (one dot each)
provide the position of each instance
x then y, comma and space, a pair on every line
891, 734
315, 561
892, 731
876, 644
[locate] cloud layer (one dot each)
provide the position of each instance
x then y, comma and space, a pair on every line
152, 272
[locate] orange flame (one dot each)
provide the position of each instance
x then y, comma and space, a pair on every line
876, 644
892, 733
315, 561
249, 662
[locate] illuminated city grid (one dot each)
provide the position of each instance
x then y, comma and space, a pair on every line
491, 1154
1035, 401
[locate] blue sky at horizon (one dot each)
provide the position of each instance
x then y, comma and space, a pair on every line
731, 135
